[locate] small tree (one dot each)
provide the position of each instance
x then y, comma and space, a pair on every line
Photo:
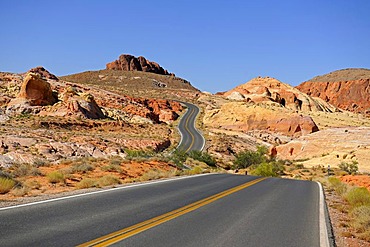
351, 168
247, 158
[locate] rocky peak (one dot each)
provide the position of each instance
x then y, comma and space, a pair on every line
128, 62
43, 73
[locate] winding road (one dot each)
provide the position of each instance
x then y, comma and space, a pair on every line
191, 139
202, 210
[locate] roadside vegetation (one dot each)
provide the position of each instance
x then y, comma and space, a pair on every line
356, 207
137, 166
259, 163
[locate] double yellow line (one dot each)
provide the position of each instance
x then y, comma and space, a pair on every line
143, 226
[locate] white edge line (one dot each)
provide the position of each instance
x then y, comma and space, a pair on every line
324, 237
101, 191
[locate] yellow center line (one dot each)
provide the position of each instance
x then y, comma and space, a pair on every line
145, 225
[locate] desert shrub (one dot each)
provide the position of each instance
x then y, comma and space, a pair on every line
112, 168
20, 170
55, 177
20, 190
195, 170
203, 157
6, 184
361, 221
248, 158
266, 170
136, 154
358, 196
82, 168
108, 180
116, 160
337, 185
351, 168
86, 183
178, 157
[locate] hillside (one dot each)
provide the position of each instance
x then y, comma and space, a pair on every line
348, 89
136, 83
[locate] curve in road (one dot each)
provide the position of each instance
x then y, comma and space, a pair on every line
191, 138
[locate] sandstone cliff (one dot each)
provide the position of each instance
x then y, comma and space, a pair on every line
130, 63
348, 89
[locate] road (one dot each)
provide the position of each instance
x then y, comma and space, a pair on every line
207, 210
191, 139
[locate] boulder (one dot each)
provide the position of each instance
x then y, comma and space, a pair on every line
36, 91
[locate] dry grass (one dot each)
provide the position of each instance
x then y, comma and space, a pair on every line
87, 183
6, 184
108, 180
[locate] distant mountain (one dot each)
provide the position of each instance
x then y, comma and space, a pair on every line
348, 89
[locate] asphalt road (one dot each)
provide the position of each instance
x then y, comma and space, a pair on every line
271, 212
191, 139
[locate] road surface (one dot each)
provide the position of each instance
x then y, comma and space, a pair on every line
191, 139
206, 210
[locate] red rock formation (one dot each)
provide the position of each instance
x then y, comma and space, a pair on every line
130, 63
267, 89
348, 95
43, 73
36, 91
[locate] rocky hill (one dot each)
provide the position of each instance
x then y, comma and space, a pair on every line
127, 62
348, 89
46, 118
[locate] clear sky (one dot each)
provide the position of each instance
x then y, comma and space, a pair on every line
216, 45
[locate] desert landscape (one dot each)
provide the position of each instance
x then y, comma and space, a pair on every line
119, 125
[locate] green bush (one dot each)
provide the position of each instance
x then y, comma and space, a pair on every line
266, 170
246, 159
135, 154
351, 168
203, 157
55, 177
6, 184
178, 157
337, 185
358, 196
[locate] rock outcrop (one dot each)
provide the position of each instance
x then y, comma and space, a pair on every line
35, 91
243, 116
267, 89
127, 62
330, 147
347, 89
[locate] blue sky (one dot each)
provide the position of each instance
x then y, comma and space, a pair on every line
216, 45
